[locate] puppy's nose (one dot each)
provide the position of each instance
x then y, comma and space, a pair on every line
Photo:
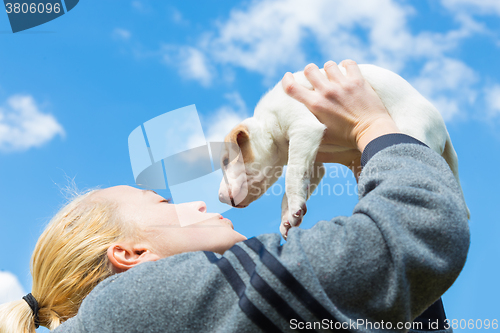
228, 198
225, 196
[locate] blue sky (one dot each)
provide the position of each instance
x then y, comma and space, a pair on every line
73, 89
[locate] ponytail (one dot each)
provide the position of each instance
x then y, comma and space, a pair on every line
16, 317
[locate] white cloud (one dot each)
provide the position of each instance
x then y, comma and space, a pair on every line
492, 96
140, 6
475, 6
195, 66
178, 18
268, 37
271, 37
121, 34
23, 125
448, 84
222, 121
10, 288
190, 62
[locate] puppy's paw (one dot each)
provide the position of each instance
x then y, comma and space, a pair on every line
291, 217
296, 214
284, 227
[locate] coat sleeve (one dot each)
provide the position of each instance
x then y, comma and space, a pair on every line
400, 250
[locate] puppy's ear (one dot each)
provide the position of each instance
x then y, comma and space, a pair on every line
241, 136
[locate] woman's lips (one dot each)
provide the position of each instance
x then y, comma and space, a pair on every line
227, 221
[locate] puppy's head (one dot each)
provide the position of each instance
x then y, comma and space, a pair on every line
249, 163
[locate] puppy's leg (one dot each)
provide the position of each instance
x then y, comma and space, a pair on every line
285, 225
303, 147
317, 173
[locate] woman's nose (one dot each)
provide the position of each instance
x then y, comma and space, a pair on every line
200, 206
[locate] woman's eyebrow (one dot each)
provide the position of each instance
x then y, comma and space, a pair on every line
146, 191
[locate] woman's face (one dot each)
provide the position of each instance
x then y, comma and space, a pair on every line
173, 228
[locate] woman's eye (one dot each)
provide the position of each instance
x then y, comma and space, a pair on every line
225, 162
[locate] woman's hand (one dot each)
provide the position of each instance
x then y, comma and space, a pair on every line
346, 104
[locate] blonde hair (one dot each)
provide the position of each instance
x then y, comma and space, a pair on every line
69, 260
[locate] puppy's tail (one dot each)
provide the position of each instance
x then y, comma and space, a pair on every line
450, 156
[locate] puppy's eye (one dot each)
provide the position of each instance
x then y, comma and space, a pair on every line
225, 162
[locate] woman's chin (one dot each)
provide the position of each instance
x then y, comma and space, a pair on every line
242, 238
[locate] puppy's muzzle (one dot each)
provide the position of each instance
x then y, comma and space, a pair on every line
229, 199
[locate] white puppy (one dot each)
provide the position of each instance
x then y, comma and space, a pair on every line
283, 131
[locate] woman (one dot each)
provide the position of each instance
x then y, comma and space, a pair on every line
402, 248
108, 231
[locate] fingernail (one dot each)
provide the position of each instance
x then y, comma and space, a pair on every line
329, 63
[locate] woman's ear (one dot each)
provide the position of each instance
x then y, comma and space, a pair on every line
123, 256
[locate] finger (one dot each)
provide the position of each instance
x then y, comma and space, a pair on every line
295, 90
352, 69
333, 72
314, 76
